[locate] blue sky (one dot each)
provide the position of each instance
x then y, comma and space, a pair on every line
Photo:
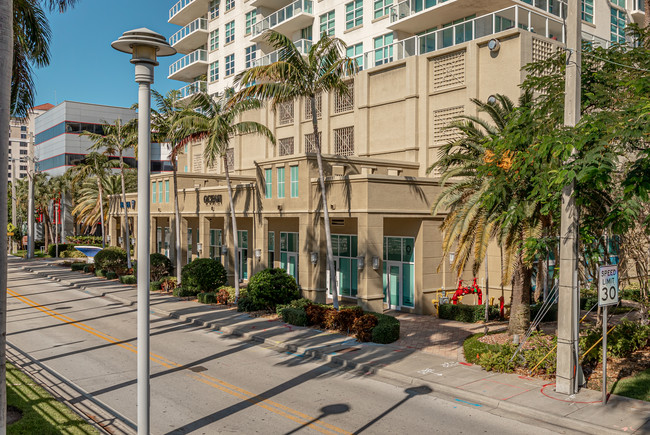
83, 65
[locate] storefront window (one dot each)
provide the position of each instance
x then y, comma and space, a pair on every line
346, 263
399, 271
289, 253
242, 238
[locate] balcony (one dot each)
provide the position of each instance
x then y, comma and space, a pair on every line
486, 25
270, 4
414, 16
303, 46
193, 89
287, 20
189, 66
184, 11
190, 37
638, 11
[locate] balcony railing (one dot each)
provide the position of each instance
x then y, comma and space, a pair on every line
185, 61
303, 46
193, 89
295, 8
508, 18
198, 24
179, 6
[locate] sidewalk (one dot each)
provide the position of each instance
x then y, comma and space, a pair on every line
401, 361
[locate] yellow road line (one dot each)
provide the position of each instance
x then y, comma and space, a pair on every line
226, 387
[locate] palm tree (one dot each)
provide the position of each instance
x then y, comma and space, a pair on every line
59, 186
118, 138
294, 76
88, 207
165, 130
98, 166
215, 120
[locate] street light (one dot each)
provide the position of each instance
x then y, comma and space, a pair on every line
144, 45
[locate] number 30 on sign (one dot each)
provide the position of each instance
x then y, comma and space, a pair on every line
607, 285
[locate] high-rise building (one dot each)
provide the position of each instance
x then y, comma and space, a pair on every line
21, 135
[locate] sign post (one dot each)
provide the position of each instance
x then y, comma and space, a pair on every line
607, 295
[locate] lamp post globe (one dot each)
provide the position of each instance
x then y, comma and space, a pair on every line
145, 46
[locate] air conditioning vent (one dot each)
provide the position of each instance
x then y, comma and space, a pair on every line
338, 222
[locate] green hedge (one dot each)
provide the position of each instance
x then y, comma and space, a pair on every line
111, 259
207, 298
77, 266
467, 313
128, 279
203, 274
111, 275
270, 287
586, 302
154, 285
387, 330
159, 266
183, 292
89, 268
473, 348
51, 250
294, 316
100, 273
551, 314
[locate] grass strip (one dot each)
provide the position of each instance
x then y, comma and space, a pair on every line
636, 387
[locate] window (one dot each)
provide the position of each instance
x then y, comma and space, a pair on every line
353, 14
588, 11
251, 18
285, 113
23, 136
166, 190
160, 192
327, 23
271, 249
344, 141
23, 128
215, 244
23, 152
619, 3
251, 53
294, 181
154, 196
319, 107
381, 8
306, 33
242, 257
189, 245
230, 31
399, 271
23, 144
617, 25
214, 9
230, 64
345, 102
214, 40
268, 183
289, 253
285, 146
280, 182
345, 252
383, 49
310, 142
213, 75
355, 52
230, 4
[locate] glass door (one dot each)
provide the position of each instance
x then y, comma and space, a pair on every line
392, 285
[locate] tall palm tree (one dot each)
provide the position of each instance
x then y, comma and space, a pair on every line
118, 138
59, 186
165, 130
98, 166
215, 121
88, 208
294, 76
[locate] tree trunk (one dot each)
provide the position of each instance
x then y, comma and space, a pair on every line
125, 224
540, 279
325, 208
177, 223
234, 227
6, 53
520, 304
646, 19
101, 210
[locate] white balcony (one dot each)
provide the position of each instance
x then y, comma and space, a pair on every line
270, 4
303, 46
193, 89
638, 11
190, 37
479, 27
189, 67
287, 20
185, 11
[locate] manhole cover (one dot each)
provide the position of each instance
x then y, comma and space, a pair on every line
198, 369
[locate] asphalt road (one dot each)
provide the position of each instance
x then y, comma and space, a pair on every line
206, 383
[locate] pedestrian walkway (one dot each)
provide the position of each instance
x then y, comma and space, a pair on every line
410, 360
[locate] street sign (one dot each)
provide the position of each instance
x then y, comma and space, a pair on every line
607, 285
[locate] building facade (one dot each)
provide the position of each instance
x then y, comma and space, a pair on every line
21, 142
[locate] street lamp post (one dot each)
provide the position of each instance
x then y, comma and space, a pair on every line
144, 45
13, 196
30, 205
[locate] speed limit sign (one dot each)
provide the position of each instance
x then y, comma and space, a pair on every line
607, 285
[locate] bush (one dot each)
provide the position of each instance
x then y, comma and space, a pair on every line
78, 266
271, 287
498, 360
343, 319
101, 273
243, 292
550, 316
298, 303
154, 285
168, 283
294, 316
363, 326
188, 290
222, 296
128, 279
587, 302
51, 250
626, 338
207, 298
631, 294
84, 240
387, 329
316, 315
248, 304
111, 259
111, 275
473, 348
159, 266
203, 274
72, 253
89, 268
467, 313
182, 292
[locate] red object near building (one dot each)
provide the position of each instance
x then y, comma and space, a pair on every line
462, 291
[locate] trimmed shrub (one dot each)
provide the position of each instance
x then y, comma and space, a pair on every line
243, 292
154, 285
182, 292
189, 290
207, 298
294, 316
128, 279
316, 315
72, 253
248, 304
111, 259
78, 266
111, 275
586, 303
387, 329
89, 268
363, 326
222, 296
550, 316
270, 287
51, 250
467, 313
101, 273
473, 348
168, 283
298, 303
203, 274
159, 266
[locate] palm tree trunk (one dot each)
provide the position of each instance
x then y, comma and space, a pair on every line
326, 216
520, 305
125, 224
6, 53
646, 19
541, 278
234, 226
101, 210
177, 221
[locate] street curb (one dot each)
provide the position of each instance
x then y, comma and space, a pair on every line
558, 421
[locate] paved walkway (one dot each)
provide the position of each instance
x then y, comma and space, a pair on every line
469, 385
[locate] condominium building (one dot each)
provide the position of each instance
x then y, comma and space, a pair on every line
421, 64
21, 145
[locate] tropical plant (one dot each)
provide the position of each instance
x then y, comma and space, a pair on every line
216, 122
294, 76
117, 139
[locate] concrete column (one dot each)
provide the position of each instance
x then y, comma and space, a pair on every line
153, 240
204, 236
371, 244
135, 236
259, 240
184, 246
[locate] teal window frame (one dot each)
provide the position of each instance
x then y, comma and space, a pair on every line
271, 249
166, 190
327, 22
251, 19
251, 55
587, 11
214, 40
230, 32
268, 183
215, 244
401, 250
381, 8
280, 183
618, 21
160, 192
230, 4
230, 65
154, 194
242, 239
383, 48
355, 52
294, 181
213, 75
353, 14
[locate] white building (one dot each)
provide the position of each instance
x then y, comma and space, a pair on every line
220, 38
21, 133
